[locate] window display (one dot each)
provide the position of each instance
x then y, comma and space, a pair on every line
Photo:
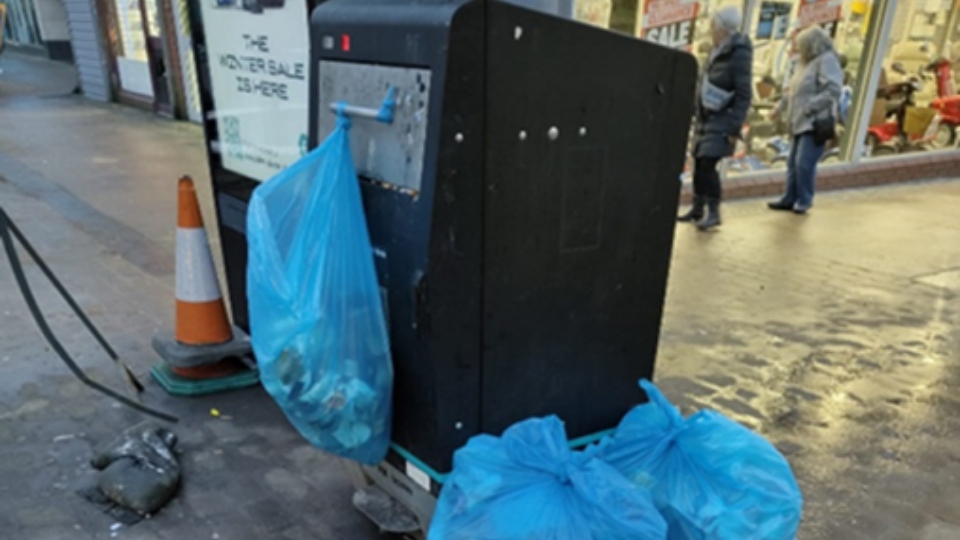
766, 143
595, 12
917, 107
671, 23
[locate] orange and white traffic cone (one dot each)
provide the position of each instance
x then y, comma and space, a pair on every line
201, 315
203, 345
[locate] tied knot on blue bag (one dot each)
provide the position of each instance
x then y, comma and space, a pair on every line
528, 484
711, 478
343, 121
671, 435
564, 470
670, 412
546, 451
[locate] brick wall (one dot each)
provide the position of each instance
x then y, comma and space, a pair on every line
870, 172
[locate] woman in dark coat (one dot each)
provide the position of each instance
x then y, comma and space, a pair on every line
722, 106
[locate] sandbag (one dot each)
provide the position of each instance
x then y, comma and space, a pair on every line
711, 478
529, 485
140, 471
317, 323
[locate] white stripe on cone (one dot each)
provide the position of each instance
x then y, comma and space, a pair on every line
196, 278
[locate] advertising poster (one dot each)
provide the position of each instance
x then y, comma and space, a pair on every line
258, 52
825, 13
774, 20
669, 22
595, 12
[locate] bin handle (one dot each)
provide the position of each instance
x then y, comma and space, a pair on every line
384, 114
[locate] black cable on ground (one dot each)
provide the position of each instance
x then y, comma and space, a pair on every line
60, 288
6, 227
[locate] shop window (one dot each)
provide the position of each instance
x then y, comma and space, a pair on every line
595, 12
617, 15
766, 143
132, 43
917, 107
678, 24
683, 25
21, 23
623, 16
132, 57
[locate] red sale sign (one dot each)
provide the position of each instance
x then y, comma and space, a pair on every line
820, 12
669, 22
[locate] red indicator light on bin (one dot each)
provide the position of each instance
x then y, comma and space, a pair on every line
345, 42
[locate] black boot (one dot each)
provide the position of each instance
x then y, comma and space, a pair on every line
695, 213
780, 205
713, 217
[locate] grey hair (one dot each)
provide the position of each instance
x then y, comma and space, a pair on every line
813, 42
728, 19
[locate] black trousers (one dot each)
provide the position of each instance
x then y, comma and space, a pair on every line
706, 178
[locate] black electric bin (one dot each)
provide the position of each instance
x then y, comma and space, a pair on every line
521, 207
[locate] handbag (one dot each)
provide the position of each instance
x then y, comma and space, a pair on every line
824, 121
824, 127
714, 98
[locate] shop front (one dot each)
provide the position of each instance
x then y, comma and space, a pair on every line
886, 47
900, 109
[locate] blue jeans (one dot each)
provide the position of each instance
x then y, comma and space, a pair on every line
805, 153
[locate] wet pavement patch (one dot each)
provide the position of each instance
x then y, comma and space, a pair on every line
940, 530
948, 279
123, 240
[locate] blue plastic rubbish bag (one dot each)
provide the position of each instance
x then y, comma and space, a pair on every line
712, 478
316, 318
529, 485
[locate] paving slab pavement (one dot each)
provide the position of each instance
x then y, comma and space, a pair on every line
835, 335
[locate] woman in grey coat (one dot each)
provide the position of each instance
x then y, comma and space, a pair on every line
814, 91
722, 105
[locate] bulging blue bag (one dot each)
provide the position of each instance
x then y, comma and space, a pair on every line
712, 478
529, 485
316, 318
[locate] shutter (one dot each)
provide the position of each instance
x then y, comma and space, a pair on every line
88, 49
